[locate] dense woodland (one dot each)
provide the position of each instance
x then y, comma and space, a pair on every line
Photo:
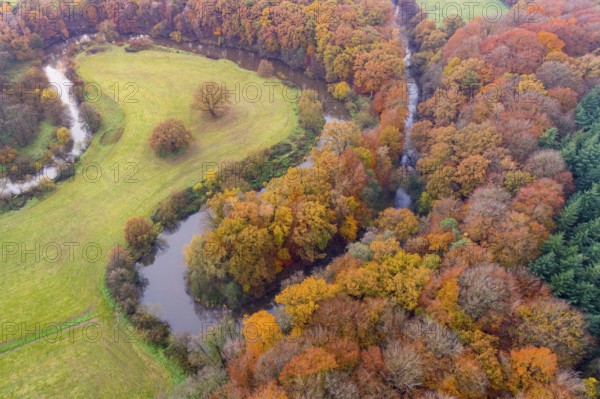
440, 304
448, 301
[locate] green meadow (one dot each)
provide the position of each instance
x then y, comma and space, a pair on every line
61, 337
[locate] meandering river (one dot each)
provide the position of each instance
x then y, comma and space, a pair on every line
166, 292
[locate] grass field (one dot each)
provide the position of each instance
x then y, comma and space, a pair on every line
89, 359
437, 10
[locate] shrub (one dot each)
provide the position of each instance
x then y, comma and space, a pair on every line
138, 44
172, 210
265, 69
45, 185
155, 330
140, 234
176, 36
179, 350
170, 137
123, 280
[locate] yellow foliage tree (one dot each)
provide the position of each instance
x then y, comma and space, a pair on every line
301, 300
63, 135
260, 332
402, 222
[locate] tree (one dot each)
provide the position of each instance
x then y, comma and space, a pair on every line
530, 366
170, 137
265, 69
471, 173
374, 68
270, 391
7, 155
555, 74
588, 110
63, 135
404, 366
541, 200
260, 331
311, 111
301, 300
211, 97
339, 136
341, 91
551, 323
487, 293
107, 31
551, 41
5, 59
391, 137
312, 231
139, 233
313, 361
517, 239
545, 163
402, 222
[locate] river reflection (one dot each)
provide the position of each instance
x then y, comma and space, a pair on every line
166, 293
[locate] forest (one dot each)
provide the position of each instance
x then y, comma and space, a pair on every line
488, 287
441, 303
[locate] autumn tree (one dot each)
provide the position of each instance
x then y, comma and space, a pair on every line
402, 222
551, 323
301, 300
311, 111
391, 137
63, 135
211, 97
170, 137
260, 331
339, 136
265, 69
372, 69
531, 366
140, 234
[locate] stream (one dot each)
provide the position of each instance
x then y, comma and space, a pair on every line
55, 73
409, 155
166, 292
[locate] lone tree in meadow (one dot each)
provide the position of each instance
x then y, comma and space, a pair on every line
170, 137
211, 97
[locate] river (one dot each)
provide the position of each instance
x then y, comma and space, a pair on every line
55, 73
166, 291
409, 155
